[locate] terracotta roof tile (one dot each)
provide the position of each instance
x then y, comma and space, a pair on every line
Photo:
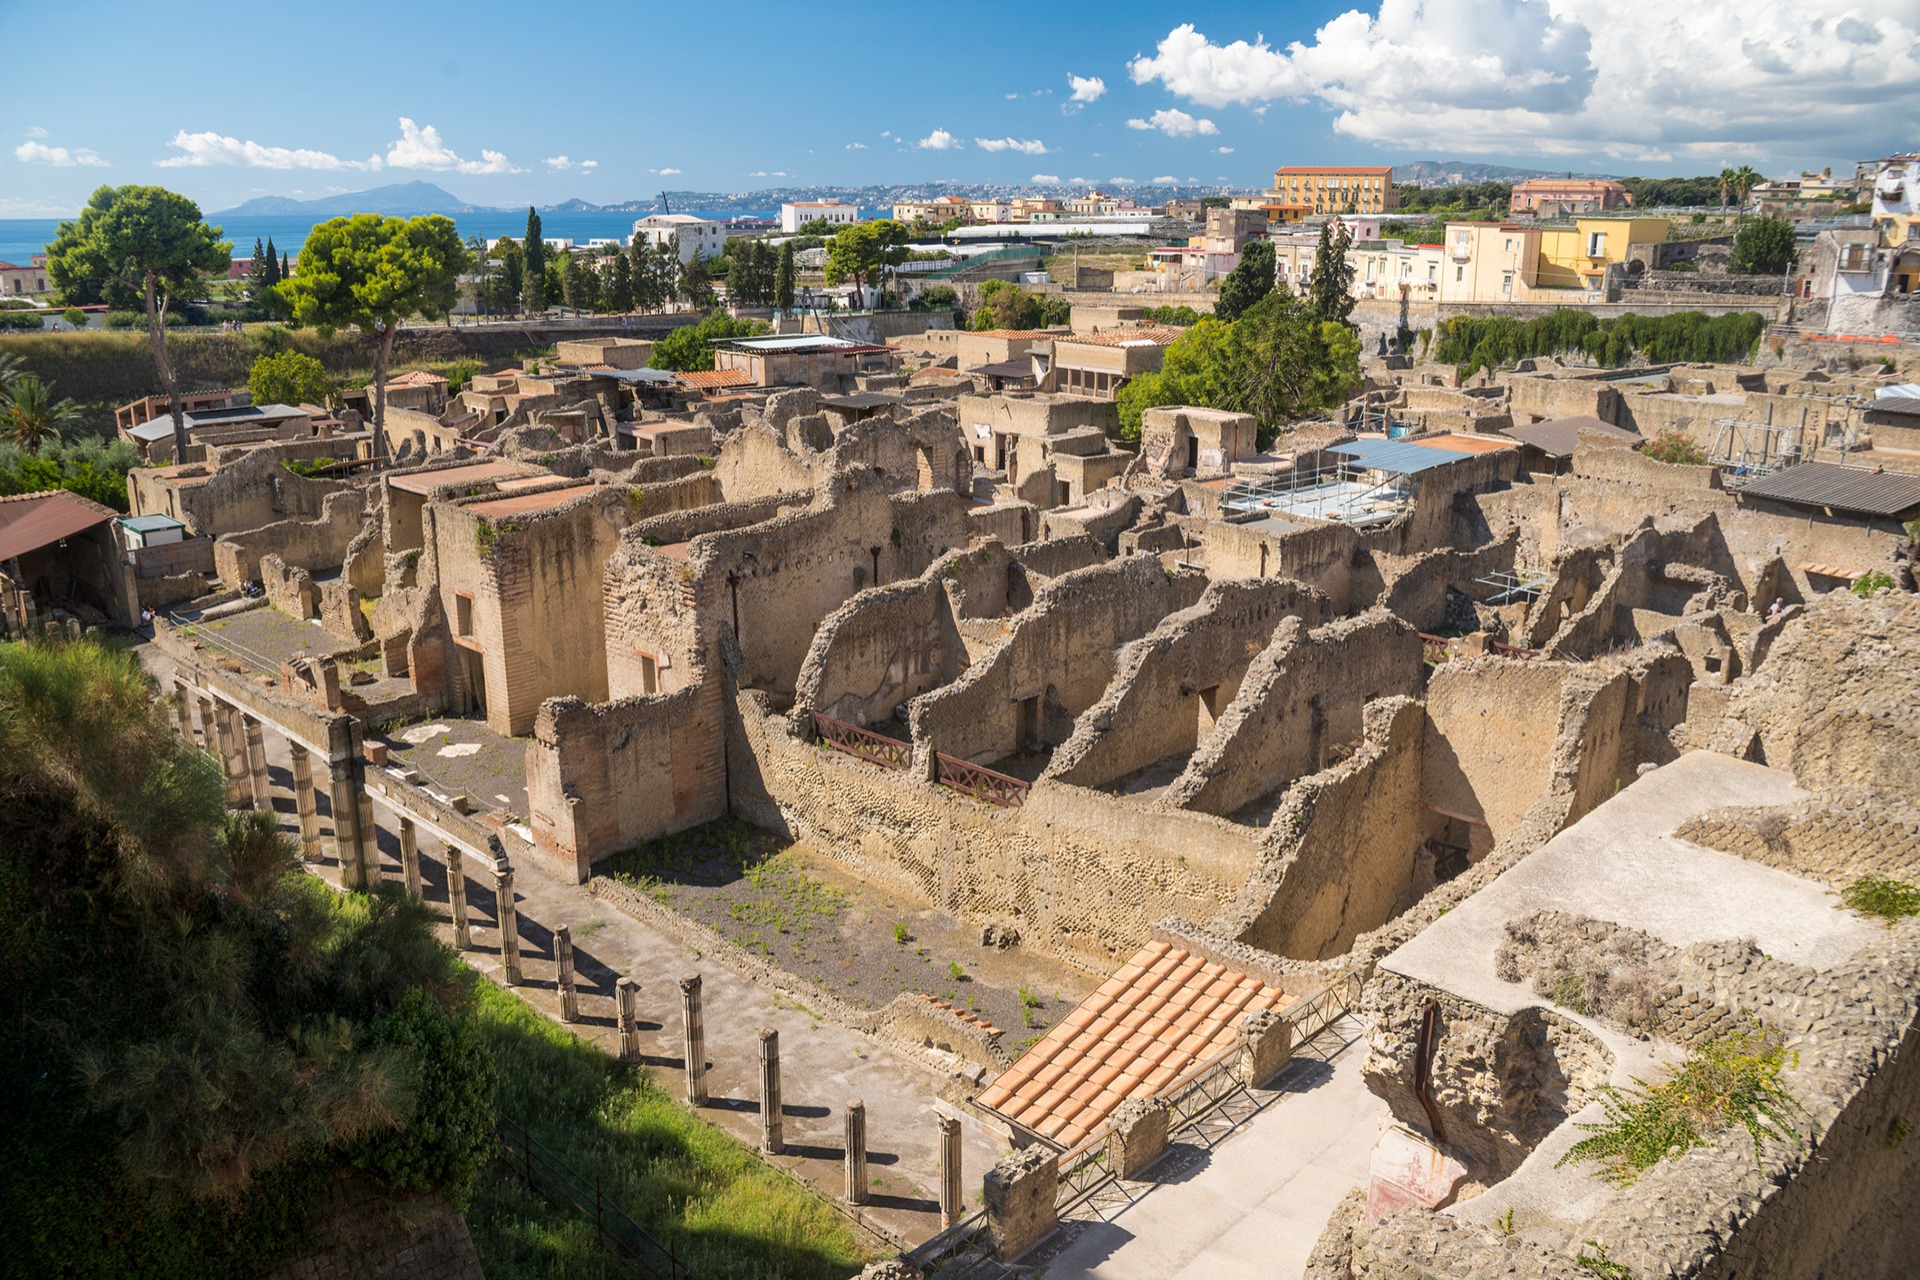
712, 379
1162, 1013
1144, 335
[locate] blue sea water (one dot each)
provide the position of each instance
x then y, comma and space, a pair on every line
21, 238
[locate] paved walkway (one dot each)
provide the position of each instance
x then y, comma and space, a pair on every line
823, 1065
1253, 1206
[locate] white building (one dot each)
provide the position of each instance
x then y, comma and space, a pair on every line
794, 216
695, 235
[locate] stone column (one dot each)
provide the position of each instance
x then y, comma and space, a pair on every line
1266, 1045
856, 1152
953, 1202
182, 691
367, 837
304, 802
259, 784
771, 1141
457, 897
1020, 1193
410, 857
233, 754
1139, 1136
209, 730
344, 799
569, 994
695, 1047
627, 997
509, 918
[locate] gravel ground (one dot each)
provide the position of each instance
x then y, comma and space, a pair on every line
864, 944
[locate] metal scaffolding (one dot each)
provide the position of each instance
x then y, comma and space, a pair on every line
1509, 587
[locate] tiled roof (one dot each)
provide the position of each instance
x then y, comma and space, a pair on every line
1337, 168
1457, 443
1145, 335
1161, 1014
1015, 333
712, 379
416, 378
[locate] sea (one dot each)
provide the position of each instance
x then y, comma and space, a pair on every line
21, 238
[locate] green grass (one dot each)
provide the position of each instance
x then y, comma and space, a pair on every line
1883, 898
681, 1178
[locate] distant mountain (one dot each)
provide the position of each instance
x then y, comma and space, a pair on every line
1451, 173
401, 200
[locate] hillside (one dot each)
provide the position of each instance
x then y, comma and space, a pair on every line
1452, 173
400, 200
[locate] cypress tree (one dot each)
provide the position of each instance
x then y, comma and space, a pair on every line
783, 279
286, 267
257, 279
535, 296
273, 262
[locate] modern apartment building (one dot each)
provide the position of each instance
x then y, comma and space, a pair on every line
832, 212
1336, 188
1557, 197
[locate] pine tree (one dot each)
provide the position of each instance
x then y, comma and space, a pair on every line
1330, 287
696, 286
274, 274
257, 282
616, 283
534, 295
286, 267
783, 279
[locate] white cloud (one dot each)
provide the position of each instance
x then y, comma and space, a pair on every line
13, 207
198, 150
1223, 151
1635, 82
59, 157
560, 164
1082, 181
1025, 146
1050, 178
856, 146
589, 164
886, 133
1175, 123
1013, 97
1086, 88
1165, 180
1123, 182
36, 131
420, 147
757, 173
668, 173
941, 140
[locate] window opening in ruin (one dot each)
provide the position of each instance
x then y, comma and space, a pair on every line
649, 674
463, 615
876, 565
1065, 497
1193, 453
1209, 709
1029, 719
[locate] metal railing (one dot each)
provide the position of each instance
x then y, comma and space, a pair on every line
1434, 649
546, 1173
963, 1251
863, 744
982, 783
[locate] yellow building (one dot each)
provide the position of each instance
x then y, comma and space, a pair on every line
1336, 188
1578, 257
1489, 262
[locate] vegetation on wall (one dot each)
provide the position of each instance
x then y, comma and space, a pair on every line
1675, 448
691, 348
1001, 304
198, 1034
1763, 246
1494, 342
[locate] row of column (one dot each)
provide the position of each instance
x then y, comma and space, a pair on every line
237, 739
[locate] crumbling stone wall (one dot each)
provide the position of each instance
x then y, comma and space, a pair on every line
1834, 838
1304, 696
303, 544
1173, 685
1058, 659
880, 648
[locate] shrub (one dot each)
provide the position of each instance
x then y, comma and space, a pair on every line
451, 1132
1733, 1080
1675, 448
1868, 584
1881, 897
289, 377
75, 317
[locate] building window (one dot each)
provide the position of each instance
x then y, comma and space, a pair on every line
1506, 282
463, 615
1459, 274
1596, 244
649, 674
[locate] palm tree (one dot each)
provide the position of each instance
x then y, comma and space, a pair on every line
1745, 179
30, 416
1726, 181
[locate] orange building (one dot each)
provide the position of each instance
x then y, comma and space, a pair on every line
1557, 197
1337, 188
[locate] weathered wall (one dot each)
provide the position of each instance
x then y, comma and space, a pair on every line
304, 544
1491, 728
880, 648
363, 1231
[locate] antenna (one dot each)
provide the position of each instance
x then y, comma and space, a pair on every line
665, 205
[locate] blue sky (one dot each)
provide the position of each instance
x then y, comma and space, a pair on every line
510, 103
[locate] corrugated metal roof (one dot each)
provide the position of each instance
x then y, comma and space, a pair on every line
31, 521
1557, 437
1396, 456
1861, 490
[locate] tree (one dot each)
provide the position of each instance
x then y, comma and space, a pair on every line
1250, 280
690, 347
274, 275
257, 272
1764, 246
860, 253
616, 283
534, 279
149, 241
1726, 185
375, 272
30, 416
1745, 179
289, 377
695, 284
511, 278
783, 279
581, 284
1330, 286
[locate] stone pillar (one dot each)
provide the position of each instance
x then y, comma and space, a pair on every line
1139, 1136
1266, 1045
856, 1152
258, 782
627, 997
771, 1140
1020, 1193
367, 836
695, 1047
209, 731
569, 994
509, 918
457, 897
410, 858
953, 1201
343, 797
233, 754
184, 710
304, 803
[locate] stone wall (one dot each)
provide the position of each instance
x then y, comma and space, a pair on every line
362, 1231
880, 648
304, 544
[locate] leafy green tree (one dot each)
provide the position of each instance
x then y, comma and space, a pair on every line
783, 279
1250, 280
534, 280
289, 377
90, 468
375, 272
696, 286
862, 252
690, 347
31, 417
581, 284
75, 317
1763, 246
616, 283
1330, 285
510, 279
147, 241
